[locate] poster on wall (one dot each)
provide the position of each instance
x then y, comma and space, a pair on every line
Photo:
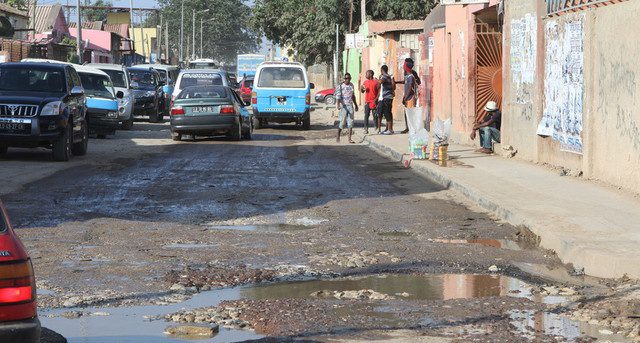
564, 82
524, 43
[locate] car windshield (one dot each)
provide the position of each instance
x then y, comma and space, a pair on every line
29, 78
203, 92
200, 79
117, 76
144, 78
96, 85
281, 77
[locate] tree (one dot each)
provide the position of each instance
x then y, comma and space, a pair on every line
97, 14
225, 29
308, 26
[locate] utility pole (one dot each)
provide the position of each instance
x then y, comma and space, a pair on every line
133, 33
201, 52
182, 33
167, 58
33, 19
79, 35
144, 48
350, 15
159, 41
363, 11
337, 57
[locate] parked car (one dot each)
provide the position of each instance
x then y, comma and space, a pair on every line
42, 104
327, 96
102, 101
121, 83
19, 321
210, 110
147, 89
246, 87
282, 94
169, 75
201, 77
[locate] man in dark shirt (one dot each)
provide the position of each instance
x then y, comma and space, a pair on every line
489, 128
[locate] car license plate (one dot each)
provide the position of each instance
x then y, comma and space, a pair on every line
15, 125
203, 109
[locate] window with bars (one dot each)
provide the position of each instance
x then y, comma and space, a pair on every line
557, 7
409, 40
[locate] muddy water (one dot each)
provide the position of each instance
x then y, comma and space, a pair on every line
485, 242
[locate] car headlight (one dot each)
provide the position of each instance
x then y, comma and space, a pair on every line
112, 114
149, 93
53, 108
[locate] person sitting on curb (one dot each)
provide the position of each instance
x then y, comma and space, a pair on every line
489, 128
346, 103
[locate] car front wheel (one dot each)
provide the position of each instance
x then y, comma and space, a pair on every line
62, 146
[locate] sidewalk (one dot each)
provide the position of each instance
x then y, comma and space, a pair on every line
590, 225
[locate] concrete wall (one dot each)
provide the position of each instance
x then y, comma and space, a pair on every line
610, 118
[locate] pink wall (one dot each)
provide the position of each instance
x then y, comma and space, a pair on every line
97, 39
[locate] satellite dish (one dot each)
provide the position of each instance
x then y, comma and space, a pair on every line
6, 29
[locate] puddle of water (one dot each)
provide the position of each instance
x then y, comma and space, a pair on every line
261, 227
189, 246
409, 287
496, 243
128, 325
306, 221
528, 323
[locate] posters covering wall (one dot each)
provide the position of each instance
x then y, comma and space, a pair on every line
564, 83
524, 42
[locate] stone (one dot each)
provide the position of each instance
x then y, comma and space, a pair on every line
192, 331
605, 332
177, 287
494, 269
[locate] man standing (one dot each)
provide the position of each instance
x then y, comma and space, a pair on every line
346, 103
388, 86
489, 128
371, 88
411, 83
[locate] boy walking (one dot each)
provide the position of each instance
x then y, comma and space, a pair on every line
347, 106
371, 88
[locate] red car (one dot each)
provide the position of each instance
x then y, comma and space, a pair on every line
18, 317
246, 87
326, 96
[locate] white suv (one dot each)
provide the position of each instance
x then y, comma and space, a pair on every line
121, 82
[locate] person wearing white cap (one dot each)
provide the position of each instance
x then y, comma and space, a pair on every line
489, 128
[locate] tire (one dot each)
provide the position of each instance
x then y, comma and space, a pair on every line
330, 100
62, 146
153, 117
176, 137
248, 135
128, 124
306, 123
236, 133
80, 148
3, 150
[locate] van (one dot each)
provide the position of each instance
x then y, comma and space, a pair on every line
121, 82
281, 94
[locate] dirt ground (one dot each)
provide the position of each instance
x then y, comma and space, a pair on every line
142, 220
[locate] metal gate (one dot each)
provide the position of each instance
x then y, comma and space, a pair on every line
488, 68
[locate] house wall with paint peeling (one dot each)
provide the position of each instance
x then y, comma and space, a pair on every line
570, 97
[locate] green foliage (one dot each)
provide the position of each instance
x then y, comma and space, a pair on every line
225, 33
97, 14
18, 4
71, 54
308, 26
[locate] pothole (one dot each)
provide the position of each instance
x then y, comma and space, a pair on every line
485, 242
261, 227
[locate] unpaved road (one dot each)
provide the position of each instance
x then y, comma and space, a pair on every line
144, 220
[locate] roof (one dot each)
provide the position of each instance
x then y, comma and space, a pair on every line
108, 66
395, 25
121, 29
37, 62
44, 60
8, 9
91, 25
89, 70
45, 17
199, 71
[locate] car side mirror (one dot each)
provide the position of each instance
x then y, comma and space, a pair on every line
77, 90
120, 94
312, 85
134, 85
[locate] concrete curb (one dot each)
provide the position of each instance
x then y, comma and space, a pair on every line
596, 260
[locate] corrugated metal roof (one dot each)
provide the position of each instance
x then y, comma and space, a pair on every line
395, 25
45, 18
90, 25
121, 29
8, 9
